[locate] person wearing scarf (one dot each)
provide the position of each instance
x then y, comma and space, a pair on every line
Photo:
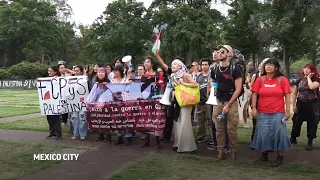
97, 90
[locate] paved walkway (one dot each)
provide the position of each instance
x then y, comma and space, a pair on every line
107, 158
16, 118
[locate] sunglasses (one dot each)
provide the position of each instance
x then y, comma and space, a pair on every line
221, 52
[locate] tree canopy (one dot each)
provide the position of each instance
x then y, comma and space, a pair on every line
41, 31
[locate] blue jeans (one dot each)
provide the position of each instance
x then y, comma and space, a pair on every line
79, 123
214, 131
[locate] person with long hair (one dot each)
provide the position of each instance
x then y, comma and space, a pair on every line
119, 78
273, 110
63, 72
253, 80
151, 76
93, 75
101, 80
79, 119
305, 100
109, 70
54, 120
183, 132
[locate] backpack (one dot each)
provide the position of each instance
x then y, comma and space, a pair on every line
236, 60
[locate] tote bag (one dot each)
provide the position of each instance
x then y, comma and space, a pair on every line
187, 96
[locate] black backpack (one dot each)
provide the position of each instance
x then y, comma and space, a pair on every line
236, 60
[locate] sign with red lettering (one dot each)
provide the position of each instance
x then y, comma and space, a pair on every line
60, 95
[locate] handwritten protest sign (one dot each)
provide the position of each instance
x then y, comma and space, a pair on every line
60, 95
117, 107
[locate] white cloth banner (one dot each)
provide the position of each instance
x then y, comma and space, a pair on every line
60, 95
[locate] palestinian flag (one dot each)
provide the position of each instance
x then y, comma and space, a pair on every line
156, 46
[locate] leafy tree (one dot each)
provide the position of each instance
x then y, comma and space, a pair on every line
193, 29
122, 29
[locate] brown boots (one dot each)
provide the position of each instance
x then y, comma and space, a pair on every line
222, 155
147, 142
234, 155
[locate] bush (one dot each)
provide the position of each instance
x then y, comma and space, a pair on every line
23, 70
4, 74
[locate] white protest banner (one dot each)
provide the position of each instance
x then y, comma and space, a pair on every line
60, 95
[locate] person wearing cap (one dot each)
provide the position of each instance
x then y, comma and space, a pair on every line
228, 90
212, 142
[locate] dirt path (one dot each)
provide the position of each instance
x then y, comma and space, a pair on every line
107, 158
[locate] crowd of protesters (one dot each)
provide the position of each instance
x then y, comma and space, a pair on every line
267, 93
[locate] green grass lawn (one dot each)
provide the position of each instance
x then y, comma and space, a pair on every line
9, 111
16, 160
183, 167
18, 102
35, 124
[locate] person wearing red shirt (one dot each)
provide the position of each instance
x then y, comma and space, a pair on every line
272, 112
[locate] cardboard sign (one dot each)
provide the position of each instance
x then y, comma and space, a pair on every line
60, 95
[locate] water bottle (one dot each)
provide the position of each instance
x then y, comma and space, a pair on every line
214, 86
221, 117
283, 120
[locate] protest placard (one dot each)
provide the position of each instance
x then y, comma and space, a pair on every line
133, 115
60, 95
126, 107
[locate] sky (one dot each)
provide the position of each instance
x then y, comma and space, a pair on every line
85, 12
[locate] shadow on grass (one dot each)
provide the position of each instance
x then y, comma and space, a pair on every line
194, 167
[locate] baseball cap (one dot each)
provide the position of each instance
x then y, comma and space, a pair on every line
227, 47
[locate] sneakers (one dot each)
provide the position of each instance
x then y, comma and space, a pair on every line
210, 142
51, 136
310, 145
212, 148
59, 138
264, 157
73, 138
246, 126
278, 161
82, 138
201, 139
293, 140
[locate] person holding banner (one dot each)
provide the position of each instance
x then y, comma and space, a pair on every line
63, 72
119, 77
54, 120
79, 119
151, 75
184, 138
100, 88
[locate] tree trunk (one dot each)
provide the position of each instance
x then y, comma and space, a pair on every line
286, 61
314, 57
254, 60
